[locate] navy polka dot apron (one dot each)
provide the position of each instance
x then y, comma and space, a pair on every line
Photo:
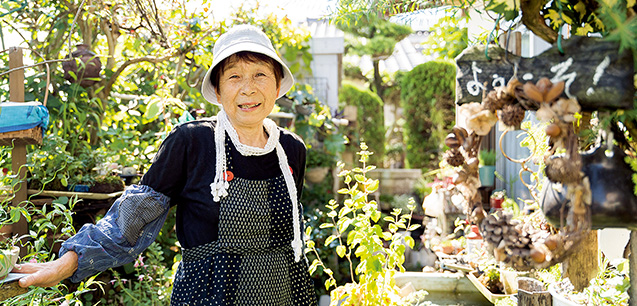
252, 261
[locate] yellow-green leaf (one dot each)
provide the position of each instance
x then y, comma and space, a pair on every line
330, 239
340, 250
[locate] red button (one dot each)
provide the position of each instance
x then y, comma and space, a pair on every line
229, 175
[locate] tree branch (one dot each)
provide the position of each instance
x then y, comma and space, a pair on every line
533, 20
111, 81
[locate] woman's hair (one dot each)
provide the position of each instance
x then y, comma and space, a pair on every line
246, 56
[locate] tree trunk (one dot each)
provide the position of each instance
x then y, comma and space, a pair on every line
582, 265
378, 80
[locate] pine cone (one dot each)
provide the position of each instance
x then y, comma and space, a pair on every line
496, 99
454, 158
512, 115
561, 170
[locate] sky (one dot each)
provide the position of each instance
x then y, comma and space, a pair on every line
295, 10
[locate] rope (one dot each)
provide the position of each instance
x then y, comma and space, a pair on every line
559, 33
495, 26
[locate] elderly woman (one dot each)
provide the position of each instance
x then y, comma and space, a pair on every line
236, 181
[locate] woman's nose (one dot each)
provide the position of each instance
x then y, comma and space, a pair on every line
248, 87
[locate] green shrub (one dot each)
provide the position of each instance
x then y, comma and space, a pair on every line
370, 119
427, 97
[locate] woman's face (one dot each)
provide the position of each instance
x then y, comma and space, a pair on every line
247, 91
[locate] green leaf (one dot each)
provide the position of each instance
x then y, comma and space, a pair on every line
388, 219
313, 266
376, 216
326, 225
371, 188
332, 214
330, 239
410, 241
360, 251
359, 178
340, 250
153, 109
393, 228
310, 244
413, 227
308, 231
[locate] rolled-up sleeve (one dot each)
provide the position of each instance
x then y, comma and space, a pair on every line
127, 229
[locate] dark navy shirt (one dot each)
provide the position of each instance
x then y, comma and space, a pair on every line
184, 167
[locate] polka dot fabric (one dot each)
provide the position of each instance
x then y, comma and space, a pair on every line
252, 261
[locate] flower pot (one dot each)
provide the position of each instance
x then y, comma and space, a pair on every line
487, 175
8, 258
559, 299
316, 174
85, 72
496, 203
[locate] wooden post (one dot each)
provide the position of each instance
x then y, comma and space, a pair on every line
582, 265
632, 262
531, 293
19, 152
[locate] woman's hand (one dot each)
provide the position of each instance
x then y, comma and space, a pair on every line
47, 274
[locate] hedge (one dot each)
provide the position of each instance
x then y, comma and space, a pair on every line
370, 119
427, 98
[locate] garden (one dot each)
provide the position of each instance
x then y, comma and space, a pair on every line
419, 209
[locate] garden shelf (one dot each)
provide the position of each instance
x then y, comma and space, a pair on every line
81, 195
23, 137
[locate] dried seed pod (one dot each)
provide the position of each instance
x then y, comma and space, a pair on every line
537, 255
553, 130
532, 92
512, 115
461, 134
472, 165
512, 86
451, 141
459, 177
554, 92
499, 254
454, 158
544, 84
551, 242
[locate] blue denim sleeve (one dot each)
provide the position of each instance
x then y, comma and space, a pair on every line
127, 229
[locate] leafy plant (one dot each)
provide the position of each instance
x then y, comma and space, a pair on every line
319, 158
370, 127
355, 225
153, 282
487, 158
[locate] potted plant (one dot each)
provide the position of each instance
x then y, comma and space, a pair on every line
318, 165
486, 160
9, 254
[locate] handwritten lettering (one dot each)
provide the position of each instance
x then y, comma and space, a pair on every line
474, 87
559, 71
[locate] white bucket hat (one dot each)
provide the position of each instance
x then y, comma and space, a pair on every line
243, 38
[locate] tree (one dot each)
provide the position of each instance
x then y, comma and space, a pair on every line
374, 36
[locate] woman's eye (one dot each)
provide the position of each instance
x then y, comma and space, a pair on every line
260, 74
234, 76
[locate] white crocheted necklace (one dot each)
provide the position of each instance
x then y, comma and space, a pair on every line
219, 186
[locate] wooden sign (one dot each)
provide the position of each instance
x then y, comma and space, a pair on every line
593, 70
